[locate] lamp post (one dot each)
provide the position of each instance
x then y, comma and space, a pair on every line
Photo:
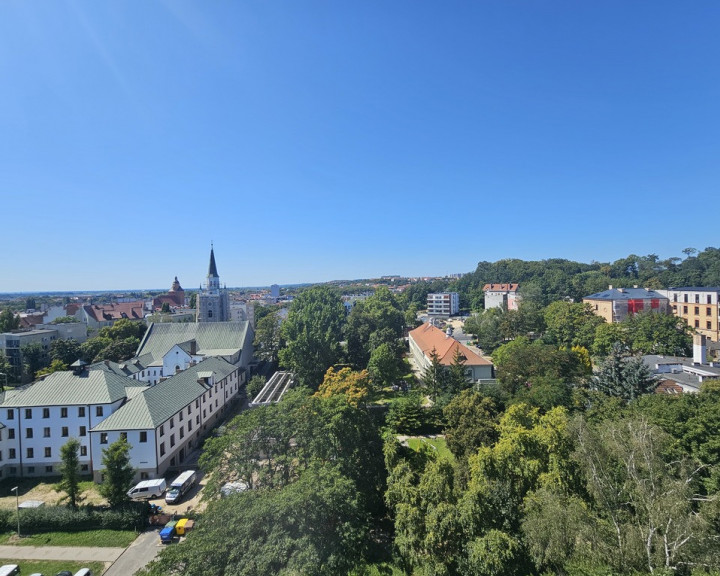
17, 506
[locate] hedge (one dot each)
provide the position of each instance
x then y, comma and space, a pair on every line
133, 516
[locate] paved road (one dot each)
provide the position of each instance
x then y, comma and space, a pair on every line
61, 553
137, 555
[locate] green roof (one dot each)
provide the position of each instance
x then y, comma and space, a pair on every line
67, 389
212, 338
156, 404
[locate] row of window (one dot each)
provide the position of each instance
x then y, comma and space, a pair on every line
30, 452
708, 311
708, 298
46, 412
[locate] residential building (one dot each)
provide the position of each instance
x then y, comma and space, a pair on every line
12, 343
698, 307
501, 296
616, 304
679, 374
427, 339
212, 303
443, 304
99, 315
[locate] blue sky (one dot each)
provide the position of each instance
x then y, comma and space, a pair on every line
319, 140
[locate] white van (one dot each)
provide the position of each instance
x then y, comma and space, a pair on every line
83, 572
9, 570
148, 489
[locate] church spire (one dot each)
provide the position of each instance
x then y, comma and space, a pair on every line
212, 271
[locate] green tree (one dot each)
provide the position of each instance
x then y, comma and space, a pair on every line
34, 358
124, 329
193, 300
571, 324
457, 378
118, 472
90, 349
313, 331
118, 350
268, 337
623, 376
70, 471
657, 333
8, 320
66, 350
607, 336
384, 366
254, 386
6, 369
486, 328
55, 366
165, 309
434, 377
64, 320
30, 304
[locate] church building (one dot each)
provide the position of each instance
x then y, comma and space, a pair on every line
213, 303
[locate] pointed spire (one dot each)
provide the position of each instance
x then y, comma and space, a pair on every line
212, 271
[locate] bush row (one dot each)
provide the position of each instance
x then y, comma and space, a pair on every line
61, 519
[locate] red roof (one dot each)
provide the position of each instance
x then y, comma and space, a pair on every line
102, 313
500, 287
427, 337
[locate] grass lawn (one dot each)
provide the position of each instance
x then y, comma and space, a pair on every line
52, 567
100, 538
437, 443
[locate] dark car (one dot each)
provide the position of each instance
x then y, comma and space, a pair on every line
64, 573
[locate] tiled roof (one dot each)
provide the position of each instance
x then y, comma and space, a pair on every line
427, 337
500, 287
67, 389
626, 294
156, 404
213, 338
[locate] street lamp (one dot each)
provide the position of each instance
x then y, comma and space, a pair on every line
17, 505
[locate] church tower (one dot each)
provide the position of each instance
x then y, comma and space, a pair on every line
213, 303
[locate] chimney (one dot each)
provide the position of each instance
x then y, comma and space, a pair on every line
610, 287
699, 349
193, 347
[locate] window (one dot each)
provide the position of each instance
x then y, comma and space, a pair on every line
180, 416
103, 437
685, 298
83, 431
46, 432
11, 415
697, 323
188, 410
182, 433
708, 325
674, 297
162, 448
28, 413
197, 405
172, 440
63, 412
684, 309
123, 435
189, 425
30, 453
197, 419
84, 468
48, 452
172, 423
48, 469
65, 432
709, 299
31, 469
697, 310
0, 455
11, 433
98, 411
83, 450
162, 430
143, 436
144, 476
46, 412
11, 453
697, 298
28, 433
708, 311
81, 412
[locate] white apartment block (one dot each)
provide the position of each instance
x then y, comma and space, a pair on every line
443, 304
501, 296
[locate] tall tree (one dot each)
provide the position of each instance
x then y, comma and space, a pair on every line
67, 350
434, 377
70, 471
34, 358
313, 331
118, 472
8, 320
268, 337
624, 376
384, 366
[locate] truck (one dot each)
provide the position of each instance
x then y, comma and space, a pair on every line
180, 486
148, 489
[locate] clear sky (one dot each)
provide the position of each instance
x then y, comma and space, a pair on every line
319, 140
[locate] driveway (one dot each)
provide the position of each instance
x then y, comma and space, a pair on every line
142, 551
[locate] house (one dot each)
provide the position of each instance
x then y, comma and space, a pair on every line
698, 307
501, 296
443, 304
680, 374
100, 315
427, 339
616, 304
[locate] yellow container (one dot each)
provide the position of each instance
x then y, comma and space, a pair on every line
180, 526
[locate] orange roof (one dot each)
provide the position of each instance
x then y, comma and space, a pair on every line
427, 337
501, 287
116, 311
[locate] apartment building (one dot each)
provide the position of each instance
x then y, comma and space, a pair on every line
502, 296
616, 304
698, 307
443, 304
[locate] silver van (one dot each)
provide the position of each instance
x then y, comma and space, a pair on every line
83, 572
9, 570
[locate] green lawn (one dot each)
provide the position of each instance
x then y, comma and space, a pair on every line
101, 538
436, 443
52, 567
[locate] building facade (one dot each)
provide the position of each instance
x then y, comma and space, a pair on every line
213, 303
501, 296
443, 304
698, 307
616, 304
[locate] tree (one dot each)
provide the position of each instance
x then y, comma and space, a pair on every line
124, 329
268, 337
118, 350
571, 324
384, 366
64, 320
624, 377
30, 304
70, 471
313, 331
165, 308
117, 471
8, 320
457, 378
434, 376
5, 368
657, 333
254, 386
354, 386
34, 358
55, 366
486, 328
66, 350
607, 336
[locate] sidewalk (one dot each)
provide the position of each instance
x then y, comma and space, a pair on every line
73, 553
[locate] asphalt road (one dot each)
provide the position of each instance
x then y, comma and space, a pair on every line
137, 555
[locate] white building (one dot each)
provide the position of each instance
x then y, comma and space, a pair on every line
501, 296
443, 304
